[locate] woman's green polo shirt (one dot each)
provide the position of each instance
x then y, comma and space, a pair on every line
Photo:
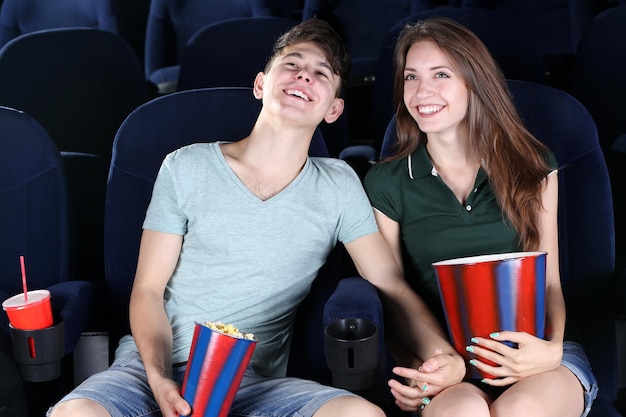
434, 225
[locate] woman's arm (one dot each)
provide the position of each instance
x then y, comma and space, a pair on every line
548, 225
533, 355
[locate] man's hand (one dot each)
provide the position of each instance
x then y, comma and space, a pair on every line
167, 395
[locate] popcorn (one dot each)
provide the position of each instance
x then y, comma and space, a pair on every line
228, 329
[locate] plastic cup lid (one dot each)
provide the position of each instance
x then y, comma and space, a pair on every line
17, 301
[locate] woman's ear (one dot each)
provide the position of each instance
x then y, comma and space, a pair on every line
258, 85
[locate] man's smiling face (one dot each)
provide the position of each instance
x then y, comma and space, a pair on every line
302, 84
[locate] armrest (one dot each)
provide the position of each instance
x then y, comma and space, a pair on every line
72, 301
355, 297
4, 320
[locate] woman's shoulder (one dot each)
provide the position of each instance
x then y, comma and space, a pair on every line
386, 176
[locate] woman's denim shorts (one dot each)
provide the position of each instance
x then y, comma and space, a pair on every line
575, 359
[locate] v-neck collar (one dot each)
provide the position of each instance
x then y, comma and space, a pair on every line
233, 176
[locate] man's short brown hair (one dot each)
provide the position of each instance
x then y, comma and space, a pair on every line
325, 37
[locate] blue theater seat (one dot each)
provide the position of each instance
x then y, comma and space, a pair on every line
171, 23
18, 17
35, 217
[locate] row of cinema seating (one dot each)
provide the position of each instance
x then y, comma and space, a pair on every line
548, 31
87, 168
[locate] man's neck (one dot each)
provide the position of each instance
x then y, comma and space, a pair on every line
269, 159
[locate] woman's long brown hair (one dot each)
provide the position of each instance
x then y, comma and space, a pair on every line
512, 157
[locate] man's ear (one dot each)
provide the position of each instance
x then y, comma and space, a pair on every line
335, 110
258, 85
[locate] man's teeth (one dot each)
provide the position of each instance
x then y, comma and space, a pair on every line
429, 109
298, 93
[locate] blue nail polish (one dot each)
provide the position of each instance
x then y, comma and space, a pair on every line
470, 349
472, 362
426, 400
425, 387
474, 340
494, 334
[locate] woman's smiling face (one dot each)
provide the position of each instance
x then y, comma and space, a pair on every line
434, 92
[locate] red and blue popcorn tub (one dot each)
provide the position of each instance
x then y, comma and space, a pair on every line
491, 293
217, 363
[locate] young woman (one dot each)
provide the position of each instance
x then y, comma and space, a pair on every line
467, 178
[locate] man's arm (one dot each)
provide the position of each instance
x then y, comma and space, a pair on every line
411, 319
411, 322
150, 326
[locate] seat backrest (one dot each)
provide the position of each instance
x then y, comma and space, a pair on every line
79, 84
144, 139
291, 9
557, 24
18, 17
209, 56
171, 23
586, 228
509, 41
363, 25
33, 206
601, 50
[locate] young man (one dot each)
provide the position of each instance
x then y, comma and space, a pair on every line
249, 256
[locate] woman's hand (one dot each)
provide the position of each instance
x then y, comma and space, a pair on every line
435, 375
532, 356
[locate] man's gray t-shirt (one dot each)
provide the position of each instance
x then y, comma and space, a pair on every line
246, 261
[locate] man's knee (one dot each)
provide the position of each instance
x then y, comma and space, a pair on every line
350, 406
78, 408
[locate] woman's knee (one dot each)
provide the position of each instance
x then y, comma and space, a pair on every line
459, 400
516, 405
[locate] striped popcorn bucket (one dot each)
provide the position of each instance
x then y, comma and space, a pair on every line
216, 366
491, 293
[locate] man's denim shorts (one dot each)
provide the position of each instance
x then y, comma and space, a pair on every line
124, 391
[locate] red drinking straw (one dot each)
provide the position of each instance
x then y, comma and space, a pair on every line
25, 288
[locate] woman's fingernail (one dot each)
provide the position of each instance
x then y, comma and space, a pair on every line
426, 400
425, 387
472, 362
470, 349
494, 334
474, 340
